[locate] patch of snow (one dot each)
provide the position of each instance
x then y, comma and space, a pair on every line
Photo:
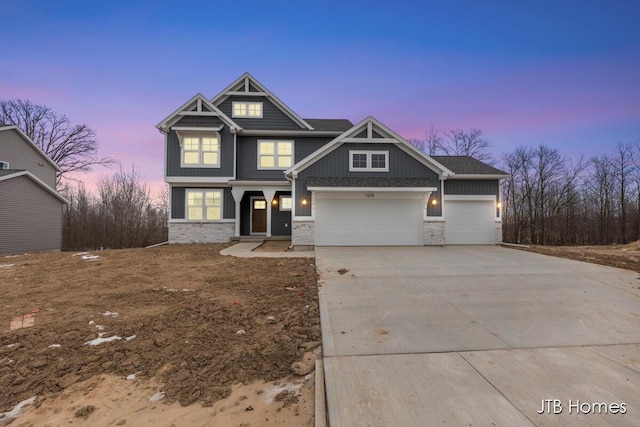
171, 290
101, 340
132, 377
7, 418
6, 265
156, 397
110, 313
91, 322
130, 338
188, 290
272, 392
241, 332
100, 327
11, 345
11, 256
55, 346
90, 257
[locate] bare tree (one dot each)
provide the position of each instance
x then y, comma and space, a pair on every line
73, 147
431, 144
472, 143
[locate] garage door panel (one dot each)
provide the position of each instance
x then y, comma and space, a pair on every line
368, 222
469, 222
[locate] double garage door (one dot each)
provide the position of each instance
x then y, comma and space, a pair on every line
396, 219
368, 219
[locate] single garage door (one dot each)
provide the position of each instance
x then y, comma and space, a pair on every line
368, 219
469, 222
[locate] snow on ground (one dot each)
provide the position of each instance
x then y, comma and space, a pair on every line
7, 418
101, 340
272, 392
110, 313
156, 397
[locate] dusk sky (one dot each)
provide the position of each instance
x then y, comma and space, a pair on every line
564, 73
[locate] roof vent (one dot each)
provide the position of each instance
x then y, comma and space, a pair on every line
4, 165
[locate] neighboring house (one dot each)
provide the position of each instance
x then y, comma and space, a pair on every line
30, 206
245, 164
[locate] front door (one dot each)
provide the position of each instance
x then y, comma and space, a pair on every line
258, 216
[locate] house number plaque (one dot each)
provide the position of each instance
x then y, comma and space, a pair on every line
369, 195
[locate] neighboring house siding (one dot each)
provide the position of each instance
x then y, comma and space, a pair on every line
485, 187
272, 117
336, 164
21, 155
30, 218
178, 201
248, 156
226, 157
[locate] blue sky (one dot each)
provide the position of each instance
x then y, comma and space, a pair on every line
565, 74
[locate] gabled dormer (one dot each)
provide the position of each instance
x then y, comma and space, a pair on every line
253, 107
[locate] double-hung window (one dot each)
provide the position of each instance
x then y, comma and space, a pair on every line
368, 161
275, 154
247, 109
204, 205
201, 151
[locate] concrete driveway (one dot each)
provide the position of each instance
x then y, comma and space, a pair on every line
475, 336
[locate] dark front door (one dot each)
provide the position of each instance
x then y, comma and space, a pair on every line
258, 216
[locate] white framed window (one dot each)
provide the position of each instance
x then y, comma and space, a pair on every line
204, 205
368, 161
200, 151
246, 109
285, 203
275, 154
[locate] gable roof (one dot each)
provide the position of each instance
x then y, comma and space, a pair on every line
330, 125
6, 175
33, 144
369, 130
197, 105
244, 84
466, 165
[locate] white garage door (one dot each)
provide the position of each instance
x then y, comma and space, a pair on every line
469, 222
372, 219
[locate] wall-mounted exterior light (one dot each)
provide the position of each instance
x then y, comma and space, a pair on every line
434, 202
304, 202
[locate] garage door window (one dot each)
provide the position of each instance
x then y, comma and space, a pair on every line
368, 161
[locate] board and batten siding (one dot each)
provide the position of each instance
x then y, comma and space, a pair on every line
248, 155
21, 155
30, 217
336, 164
173, 167
272, 117
466, 187
179, 202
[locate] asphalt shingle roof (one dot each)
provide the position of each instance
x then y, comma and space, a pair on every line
330, 125
368, 182
467, 165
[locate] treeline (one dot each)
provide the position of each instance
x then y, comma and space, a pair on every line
123, 214
554, 200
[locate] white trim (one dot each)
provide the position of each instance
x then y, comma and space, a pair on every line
198, 113
471, 197
258, 183
276, 155
369, 161
33, 145
197, 129
185, 109
245, 93
271, 132
373, 189
200, 151
479, 176
247, 78
371, 140
198, 179
37, 181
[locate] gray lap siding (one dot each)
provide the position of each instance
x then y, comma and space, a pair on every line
272, 117
464, 187
336, 164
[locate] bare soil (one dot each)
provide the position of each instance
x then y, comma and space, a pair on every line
620, 256
186, 318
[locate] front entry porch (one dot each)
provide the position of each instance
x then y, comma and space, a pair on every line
262, 211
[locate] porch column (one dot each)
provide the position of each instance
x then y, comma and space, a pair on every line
268, 195
237, 197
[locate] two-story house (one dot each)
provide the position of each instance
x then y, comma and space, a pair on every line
30, 206
244, 164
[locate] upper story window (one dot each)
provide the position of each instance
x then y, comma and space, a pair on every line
201, 151
274, 154
368, 161
247, 109
204, 205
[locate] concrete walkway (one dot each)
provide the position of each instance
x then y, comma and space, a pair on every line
246, 250
477, 336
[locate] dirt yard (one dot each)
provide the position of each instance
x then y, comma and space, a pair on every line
621, 256
131, 336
